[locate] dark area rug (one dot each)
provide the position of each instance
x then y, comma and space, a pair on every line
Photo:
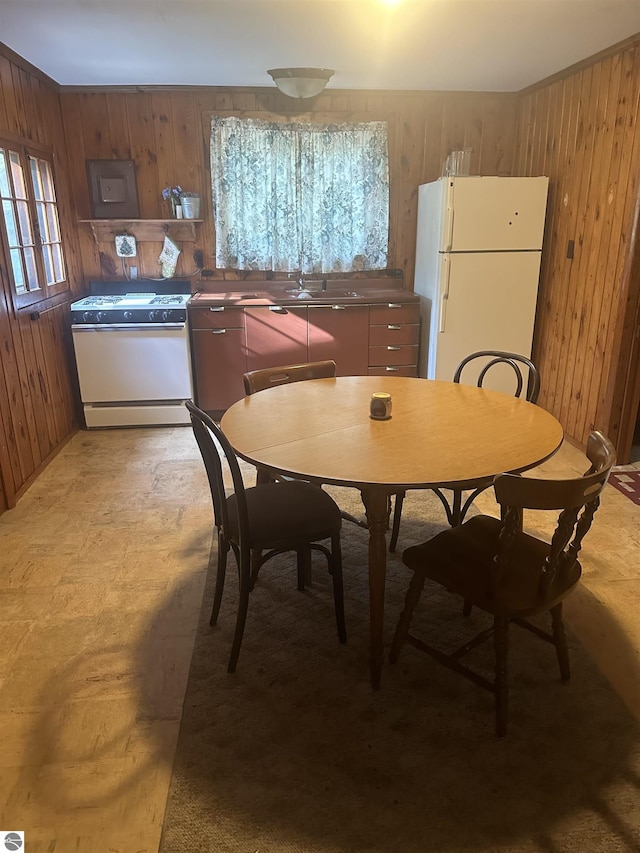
296, 752
627, 481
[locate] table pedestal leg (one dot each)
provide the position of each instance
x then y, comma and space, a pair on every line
375, 504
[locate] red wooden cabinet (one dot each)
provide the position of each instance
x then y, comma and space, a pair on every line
393, 339
340, 332
275, 336
227, 341
219, 356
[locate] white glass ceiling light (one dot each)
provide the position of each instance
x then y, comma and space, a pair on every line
301, 82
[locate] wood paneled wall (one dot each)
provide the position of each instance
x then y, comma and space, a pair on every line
37, 402
582, 131
166, 133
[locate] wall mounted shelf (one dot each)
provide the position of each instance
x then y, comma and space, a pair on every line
182, 230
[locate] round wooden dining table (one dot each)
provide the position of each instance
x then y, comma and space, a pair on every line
440, 435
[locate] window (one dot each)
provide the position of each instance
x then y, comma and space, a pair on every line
32, 229
306, 197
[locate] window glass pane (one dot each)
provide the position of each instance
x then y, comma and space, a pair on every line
26, 234
48, 264
54, 227
58, 264
17, 174
18, 272
47, 181
35, 179
4, 176
32, 271
42, 222
10, 222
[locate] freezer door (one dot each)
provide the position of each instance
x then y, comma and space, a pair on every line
489, 214
489, 302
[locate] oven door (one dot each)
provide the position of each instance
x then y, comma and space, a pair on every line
132, 363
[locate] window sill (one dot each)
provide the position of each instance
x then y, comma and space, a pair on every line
25, 304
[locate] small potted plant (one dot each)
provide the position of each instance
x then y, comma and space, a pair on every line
190, 205
172, 195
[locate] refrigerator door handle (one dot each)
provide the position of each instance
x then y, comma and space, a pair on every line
444, 297
448, 222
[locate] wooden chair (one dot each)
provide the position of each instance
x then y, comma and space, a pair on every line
272, 517
526, 379
269, 377
496, 566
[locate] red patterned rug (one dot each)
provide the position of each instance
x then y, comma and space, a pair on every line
627, 482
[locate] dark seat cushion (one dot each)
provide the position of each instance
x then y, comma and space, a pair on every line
285, 513
462, 559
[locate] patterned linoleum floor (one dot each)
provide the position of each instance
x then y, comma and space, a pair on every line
103, 564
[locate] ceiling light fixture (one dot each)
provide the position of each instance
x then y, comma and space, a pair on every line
301, 82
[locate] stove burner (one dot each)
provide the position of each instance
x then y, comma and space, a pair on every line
167, 300
102, 300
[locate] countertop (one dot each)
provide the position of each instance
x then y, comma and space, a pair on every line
287, 296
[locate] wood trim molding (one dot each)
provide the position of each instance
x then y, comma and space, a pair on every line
619, 47
270, 91
45, 462
623, 395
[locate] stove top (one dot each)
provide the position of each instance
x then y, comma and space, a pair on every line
130, 300
126, 302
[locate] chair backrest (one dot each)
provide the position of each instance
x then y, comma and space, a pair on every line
268, 377
515, 493
523, 368
205, 431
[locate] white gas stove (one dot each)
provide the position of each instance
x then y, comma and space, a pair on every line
132, 352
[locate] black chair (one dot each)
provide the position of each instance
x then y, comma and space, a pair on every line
525, 372
270, 377
271, 517
526, 379
494, 565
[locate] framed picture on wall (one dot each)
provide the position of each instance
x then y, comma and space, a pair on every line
112, 189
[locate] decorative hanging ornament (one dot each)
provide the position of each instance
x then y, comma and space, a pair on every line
168, 257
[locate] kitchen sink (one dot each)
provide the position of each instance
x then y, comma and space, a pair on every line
325, 295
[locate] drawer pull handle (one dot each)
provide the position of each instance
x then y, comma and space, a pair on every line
277, 309
393, 349
391, 369
394, 328
217, 308
395, 305
338, 307
218, 331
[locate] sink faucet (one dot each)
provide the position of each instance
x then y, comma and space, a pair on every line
300, 278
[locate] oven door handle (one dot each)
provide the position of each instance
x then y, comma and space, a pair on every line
127, 327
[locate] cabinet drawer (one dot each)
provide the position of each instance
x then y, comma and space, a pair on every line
394, 312
217, 317
394, 333
394, 370
382, 356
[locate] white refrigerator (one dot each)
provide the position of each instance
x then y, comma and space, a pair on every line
478, 249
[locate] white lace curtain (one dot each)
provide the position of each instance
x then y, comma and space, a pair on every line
304, 197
